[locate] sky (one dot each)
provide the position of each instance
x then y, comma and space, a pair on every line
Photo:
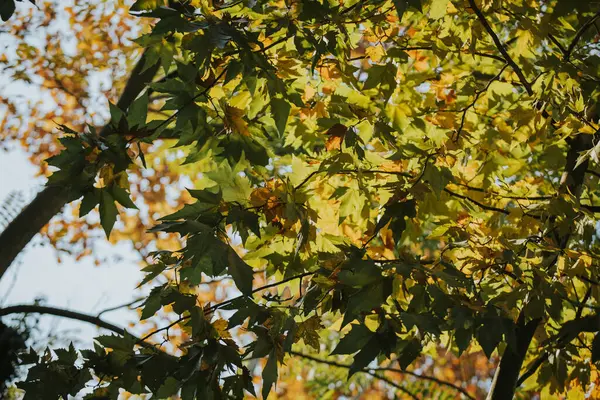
36, 274
74, 285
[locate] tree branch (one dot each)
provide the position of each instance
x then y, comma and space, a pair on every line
106, 310
481, 190
501, 47
506, 377
59, 312
352, 171
534, 367
365, 371
226, 302
579, 34
396, 370
429, 378
481, 205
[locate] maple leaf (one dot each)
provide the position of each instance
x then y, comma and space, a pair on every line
309, 332
234, 120
336, 137
220, 326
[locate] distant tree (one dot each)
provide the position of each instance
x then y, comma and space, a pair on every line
384, 181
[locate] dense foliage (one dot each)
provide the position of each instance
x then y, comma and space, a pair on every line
417, 175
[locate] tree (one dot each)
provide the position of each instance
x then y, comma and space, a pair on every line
415, 175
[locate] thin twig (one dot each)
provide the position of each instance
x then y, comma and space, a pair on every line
352, 171
226, 302
472, 104
120, 306
579, 34
533, 368
481, 190
501, 48
481, 205
596, 174
399, 371
366, 371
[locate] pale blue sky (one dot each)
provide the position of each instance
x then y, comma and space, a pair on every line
76, 285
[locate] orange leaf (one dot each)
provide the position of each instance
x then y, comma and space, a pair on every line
234, 120
336, 137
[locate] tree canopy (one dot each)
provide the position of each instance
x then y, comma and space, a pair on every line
387, 183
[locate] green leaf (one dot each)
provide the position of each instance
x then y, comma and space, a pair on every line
383, 76
366, 299
244, 220
206, 196
169, 388
359, 273
116, 114
167, 51
281, 111
410, 352
242, 273
120, 195
269, 374
108, 211
489, 336
403, 5
7, 9
152, 305
124, 343
138, 112
437, 178
152, 271
354, 340
146, 5
90, 200
233, 69
462, 338
363, 358
396, 213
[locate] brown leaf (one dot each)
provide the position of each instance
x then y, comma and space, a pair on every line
336, 137
234, 120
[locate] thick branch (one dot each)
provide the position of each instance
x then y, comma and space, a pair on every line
506, 376
59, 312
507, 373
50, 201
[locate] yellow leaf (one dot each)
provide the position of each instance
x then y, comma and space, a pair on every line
220, 326
146, 5
438, 9
107, 174
375, 53
234, 120
307, 331
336, 137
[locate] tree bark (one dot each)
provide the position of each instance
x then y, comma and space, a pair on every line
74, 315
51, 199
506, 376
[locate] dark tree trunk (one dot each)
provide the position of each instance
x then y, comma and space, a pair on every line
51, 200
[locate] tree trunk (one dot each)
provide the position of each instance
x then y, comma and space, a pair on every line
51, 200
507, 374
